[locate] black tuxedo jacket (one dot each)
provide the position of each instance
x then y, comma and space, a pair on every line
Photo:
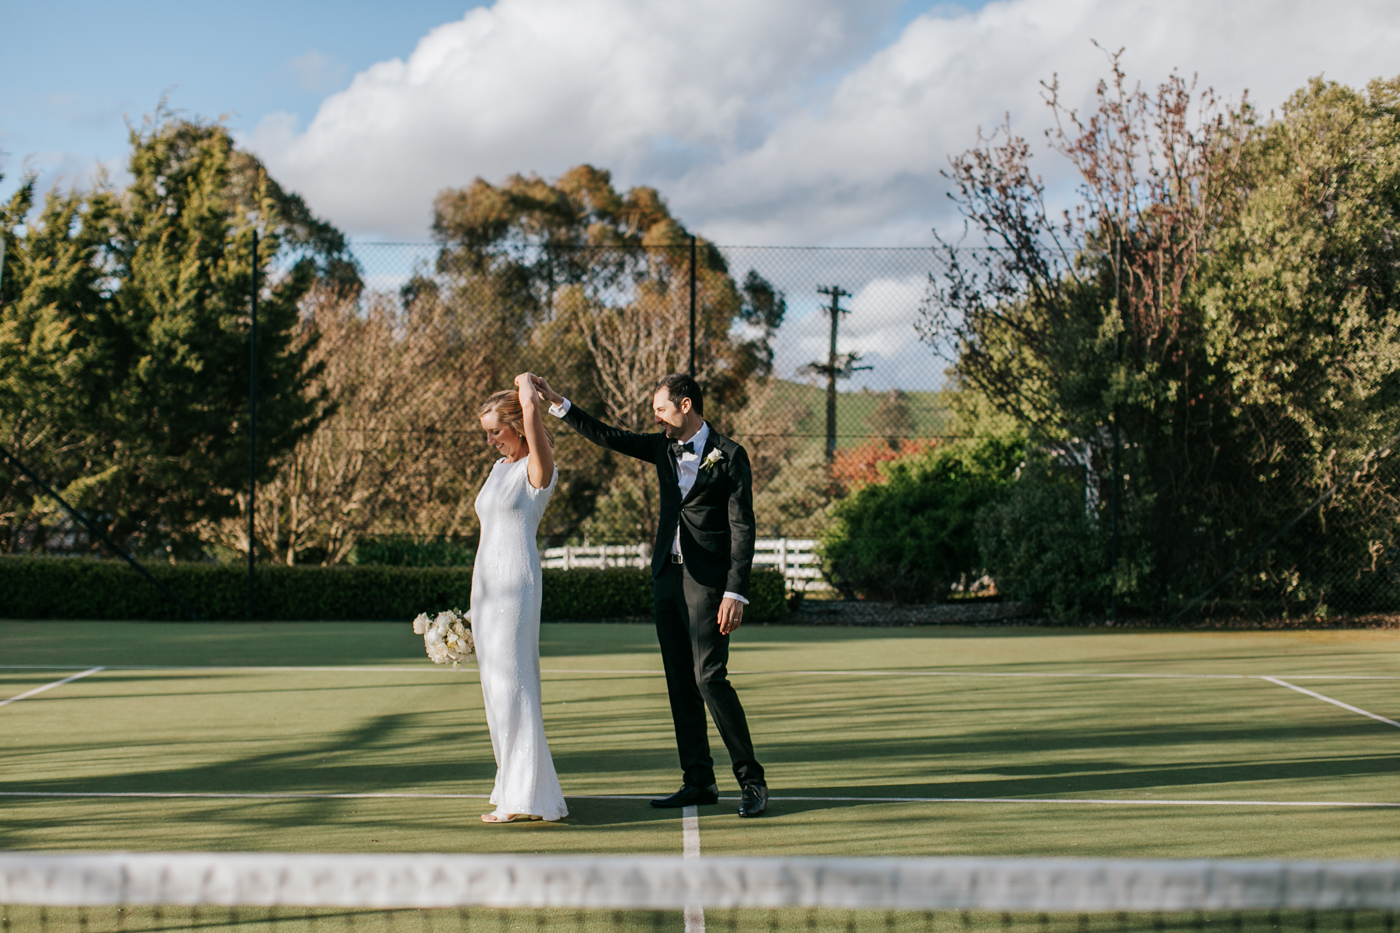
716, 517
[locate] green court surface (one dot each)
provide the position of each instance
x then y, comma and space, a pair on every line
927, 741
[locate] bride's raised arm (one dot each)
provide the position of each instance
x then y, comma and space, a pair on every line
541, 465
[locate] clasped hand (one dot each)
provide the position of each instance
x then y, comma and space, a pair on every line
540, 385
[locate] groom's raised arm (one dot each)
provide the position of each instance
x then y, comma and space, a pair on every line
642, 446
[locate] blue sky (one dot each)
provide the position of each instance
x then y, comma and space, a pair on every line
244, 60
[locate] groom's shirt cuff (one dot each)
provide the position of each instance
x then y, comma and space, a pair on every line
561, 409
736, 597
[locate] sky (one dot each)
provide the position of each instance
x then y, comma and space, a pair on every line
762, 122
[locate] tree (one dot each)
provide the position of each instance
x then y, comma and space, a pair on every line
893, 418
52, 291
912, 536
147, 292
592, 287
1221, 299
402, 450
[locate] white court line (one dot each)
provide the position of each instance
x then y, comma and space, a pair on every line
307, 669
1346, 706
1093, 801
1096, 801
655, 673
690, 831
57, 683
690, 844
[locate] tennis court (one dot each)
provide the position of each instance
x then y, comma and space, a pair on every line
935, 741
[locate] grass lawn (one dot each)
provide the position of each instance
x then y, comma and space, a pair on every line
1210, 761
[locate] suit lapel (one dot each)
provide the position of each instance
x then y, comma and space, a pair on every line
702, 475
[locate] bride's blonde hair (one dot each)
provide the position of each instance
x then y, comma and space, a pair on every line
506, 405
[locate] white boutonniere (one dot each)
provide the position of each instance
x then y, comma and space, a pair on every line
712, 460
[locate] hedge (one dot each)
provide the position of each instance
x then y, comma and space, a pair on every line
86, 588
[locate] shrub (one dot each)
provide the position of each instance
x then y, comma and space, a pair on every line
911, 537
84, 588
412, 551
1046, 545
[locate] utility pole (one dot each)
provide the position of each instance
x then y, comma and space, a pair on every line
836, 366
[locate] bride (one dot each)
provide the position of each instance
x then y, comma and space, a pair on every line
506, 605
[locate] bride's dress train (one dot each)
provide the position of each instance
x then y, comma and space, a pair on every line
506, 627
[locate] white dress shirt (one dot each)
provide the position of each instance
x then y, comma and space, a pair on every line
687, 471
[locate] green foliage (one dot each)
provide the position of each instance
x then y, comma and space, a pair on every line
1050, 550
1236, 321
411, 551
797, 500
178, 383
582, 595
124, 341
618, 514
913, 536
767, 597
893, 417
81, 588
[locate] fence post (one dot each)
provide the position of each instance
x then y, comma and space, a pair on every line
692, 305
782, 557
1113, 493
252, 423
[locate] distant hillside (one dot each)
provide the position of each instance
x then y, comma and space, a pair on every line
856, 412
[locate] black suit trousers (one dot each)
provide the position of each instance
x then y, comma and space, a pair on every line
696, 658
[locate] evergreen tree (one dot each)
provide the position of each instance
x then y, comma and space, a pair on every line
124, 339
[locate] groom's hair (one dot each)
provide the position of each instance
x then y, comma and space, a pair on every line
681, 385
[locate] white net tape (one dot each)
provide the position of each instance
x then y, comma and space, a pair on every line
673, 883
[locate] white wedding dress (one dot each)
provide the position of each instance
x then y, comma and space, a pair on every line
506, 627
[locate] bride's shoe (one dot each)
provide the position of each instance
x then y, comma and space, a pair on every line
496, 816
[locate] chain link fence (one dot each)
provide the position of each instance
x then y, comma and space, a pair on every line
813, 358
431, 335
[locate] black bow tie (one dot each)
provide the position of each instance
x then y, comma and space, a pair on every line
678, 449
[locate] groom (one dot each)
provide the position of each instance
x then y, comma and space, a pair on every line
700, 576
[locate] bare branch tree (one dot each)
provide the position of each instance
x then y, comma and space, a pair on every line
402, 451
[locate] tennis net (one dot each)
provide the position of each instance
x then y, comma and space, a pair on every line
87, 893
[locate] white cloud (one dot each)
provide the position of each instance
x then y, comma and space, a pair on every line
781, 121
879, 326
864, 168
541, 85
878, 321
776, 121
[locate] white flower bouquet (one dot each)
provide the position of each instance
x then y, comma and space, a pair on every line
447, 636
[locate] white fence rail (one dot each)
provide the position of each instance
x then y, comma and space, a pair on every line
596, 556
795, 558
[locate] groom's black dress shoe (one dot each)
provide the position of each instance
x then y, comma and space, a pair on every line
690, 796
754, 801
